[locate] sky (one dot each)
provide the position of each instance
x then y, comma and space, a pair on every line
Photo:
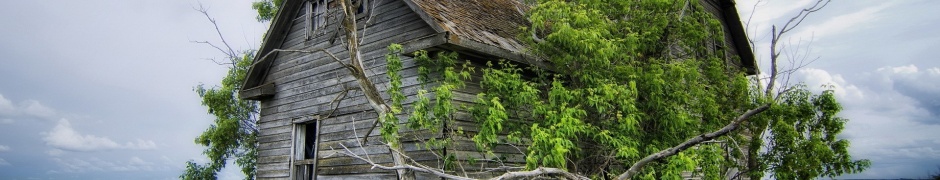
103, 89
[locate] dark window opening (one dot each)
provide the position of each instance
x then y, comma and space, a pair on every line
310, 141
362, 7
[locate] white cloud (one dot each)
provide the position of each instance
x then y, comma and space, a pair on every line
909, 69
4, 148
4, 162
30, 108
934, 71
6, 107
64, 137
35, 109
895, 123
819, 80
918, 85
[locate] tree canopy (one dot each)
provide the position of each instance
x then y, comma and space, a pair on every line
640, 77
637, 78
232, 133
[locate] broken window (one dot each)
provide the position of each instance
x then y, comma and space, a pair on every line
315, 17
317, 14
363, 8
306, 138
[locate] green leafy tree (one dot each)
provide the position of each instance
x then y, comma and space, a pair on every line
640, 78
641, 84
267, 9
797, 139
233, 133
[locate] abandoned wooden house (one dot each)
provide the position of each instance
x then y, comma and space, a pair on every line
301, 130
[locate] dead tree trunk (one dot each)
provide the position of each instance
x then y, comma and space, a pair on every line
368, 88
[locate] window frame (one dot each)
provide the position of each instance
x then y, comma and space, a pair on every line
366, 9
302, 166
315, 17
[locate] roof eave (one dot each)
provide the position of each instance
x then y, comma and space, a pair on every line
739, 37
451, 42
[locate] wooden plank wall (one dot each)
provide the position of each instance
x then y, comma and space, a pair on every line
307, 83
463, 148
731, 50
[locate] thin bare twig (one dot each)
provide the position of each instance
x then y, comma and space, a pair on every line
205, 11
338, 99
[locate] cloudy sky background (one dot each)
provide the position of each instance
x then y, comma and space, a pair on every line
102, 89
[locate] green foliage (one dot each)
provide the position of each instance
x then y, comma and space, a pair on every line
267, 9
233, 132
801, 140
629, 79
638, 77
439, 76
389, 130
633, 78
198, 172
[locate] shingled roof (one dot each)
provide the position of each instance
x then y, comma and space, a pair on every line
492, 22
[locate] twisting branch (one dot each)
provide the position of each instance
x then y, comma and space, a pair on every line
230, 52
338, 99
802, 15
775, 39
542, 171
691, 142
365, 27
230, 56
217, 62
402, 166
249, 122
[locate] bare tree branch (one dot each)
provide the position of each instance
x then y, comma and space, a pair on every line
403, 167
365, 27
542, 171
802, 15
691, 142
338, 99
205, 11
775, 39
230, 56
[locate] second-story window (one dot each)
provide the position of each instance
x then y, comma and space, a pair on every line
316, 17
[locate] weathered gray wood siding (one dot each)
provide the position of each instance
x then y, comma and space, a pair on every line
463, 148
730, 48
307, 83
